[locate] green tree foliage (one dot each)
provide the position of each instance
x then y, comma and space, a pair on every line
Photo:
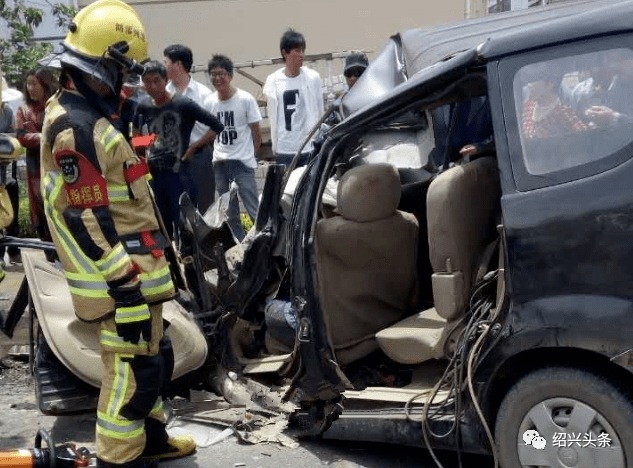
64, 14
19, 51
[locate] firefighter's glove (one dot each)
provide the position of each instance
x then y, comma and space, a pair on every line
131, 316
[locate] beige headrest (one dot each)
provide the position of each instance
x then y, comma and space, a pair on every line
368, 193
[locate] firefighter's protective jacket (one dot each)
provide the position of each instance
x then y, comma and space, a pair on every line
99, 208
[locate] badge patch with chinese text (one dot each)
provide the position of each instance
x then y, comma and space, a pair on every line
84, 184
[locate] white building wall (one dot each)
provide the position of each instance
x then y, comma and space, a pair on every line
249, 30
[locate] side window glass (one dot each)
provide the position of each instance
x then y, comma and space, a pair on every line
574, 110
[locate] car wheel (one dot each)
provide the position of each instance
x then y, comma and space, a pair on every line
564, 417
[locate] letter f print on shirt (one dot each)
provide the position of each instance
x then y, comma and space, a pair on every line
290, 106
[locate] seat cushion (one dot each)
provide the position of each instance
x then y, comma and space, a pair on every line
415, 339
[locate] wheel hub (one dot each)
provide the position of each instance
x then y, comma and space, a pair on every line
571, 428
568, 456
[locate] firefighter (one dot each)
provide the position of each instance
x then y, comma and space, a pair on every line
100, 212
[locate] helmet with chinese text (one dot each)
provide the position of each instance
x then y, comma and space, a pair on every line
104, 41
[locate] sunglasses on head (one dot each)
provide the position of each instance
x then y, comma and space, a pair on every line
354, 72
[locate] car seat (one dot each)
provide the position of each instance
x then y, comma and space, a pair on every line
462, 204
366, 260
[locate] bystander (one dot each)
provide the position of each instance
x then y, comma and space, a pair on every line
295, 100
196, 172
235, 148
170, 118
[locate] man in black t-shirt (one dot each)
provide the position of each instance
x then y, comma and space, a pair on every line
171, 119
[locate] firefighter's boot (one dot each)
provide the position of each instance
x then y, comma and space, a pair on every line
177, 447
162, 446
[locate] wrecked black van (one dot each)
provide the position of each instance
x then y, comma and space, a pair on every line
453, 268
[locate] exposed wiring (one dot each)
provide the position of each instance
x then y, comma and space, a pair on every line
473, 397
454, 381
470, 368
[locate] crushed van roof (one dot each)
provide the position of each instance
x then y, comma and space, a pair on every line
432, 55
503, 33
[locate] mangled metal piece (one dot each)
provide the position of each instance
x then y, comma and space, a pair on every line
256, 262
268, 431
203, 242
204, 232
385, 73
252, 411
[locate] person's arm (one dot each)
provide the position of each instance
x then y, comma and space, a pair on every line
271, 109
253, 118
215, 126
26, 130
257, 136
318, 94
205, 140
7, 119
603, 115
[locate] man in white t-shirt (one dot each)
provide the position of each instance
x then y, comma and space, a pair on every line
234, 149
295, 100
196, 170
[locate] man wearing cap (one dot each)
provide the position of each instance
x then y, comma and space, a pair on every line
355, 64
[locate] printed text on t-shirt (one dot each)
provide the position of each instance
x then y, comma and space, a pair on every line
229, 134
290, 106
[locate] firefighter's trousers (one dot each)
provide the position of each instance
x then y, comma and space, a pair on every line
130, 397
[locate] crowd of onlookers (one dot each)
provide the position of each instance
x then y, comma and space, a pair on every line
199, 140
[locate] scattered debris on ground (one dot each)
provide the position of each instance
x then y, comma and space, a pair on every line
248, 421
15, 377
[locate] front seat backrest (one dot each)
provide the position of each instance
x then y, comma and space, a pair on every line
366, 260
461, 205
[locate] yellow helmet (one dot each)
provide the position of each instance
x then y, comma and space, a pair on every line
105, 40
106, 23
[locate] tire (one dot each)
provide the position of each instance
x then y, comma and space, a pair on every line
574, 402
